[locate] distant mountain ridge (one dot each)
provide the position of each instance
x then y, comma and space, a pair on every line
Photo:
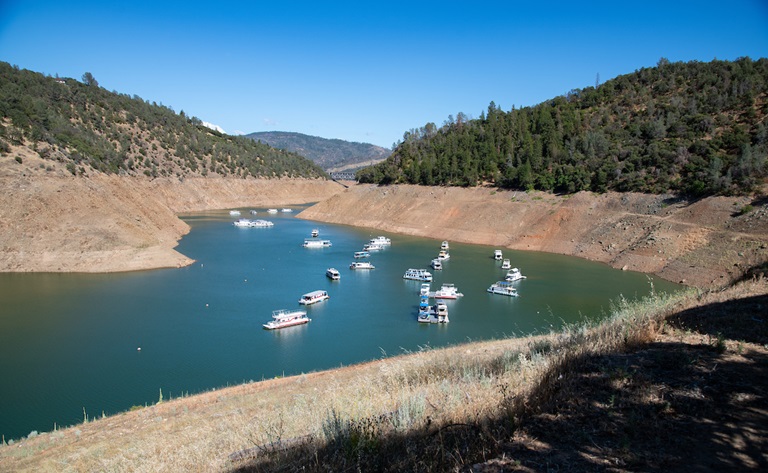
329, 154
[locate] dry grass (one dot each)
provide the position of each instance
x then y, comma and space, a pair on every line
436, 410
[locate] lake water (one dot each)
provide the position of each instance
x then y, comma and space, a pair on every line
69, 342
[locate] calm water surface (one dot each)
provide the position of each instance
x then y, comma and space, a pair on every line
70, 342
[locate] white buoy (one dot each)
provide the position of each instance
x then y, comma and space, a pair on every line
138, 349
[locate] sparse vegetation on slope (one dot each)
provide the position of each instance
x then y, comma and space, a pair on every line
87, 127
692, 128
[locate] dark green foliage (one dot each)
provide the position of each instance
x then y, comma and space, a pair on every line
116, 133
327, 153
690, 128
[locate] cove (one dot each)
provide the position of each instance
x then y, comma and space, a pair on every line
69, 343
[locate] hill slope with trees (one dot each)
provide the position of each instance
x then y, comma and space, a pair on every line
689, 128
330, 154
87, 127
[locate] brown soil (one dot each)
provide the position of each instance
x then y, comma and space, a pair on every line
700, 243
51, 221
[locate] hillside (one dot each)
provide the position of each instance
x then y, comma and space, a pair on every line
693, 128
87, 128
52, 221
329, 154
705, 242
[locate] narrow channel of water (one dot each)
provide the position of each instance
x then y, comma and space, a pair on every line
70, 342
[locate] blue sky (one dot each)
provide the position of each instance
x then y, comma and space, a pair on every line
365, 71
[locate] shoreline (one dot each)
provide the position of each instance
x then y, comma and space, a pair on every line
704, 243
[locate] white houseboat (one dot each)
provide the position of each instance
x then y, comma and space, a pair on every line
504, 288
381, 241
436, 264
314, 297
447, 291
444, 245
361, 265
316, 243
361, 254
287, 210
286, 318
514, 275
506, 264
333, 274
418, 275
315, 233
272, 211
497, 255
444, 255
234, 213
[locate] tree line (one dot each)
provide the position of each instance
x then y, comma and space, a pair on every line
87, 127
690, 128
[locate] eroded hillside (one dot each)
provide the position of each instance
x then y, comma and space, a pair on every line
701, 243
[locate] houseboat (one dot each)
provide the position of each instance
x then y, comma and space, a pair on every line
361, 265
506, 264
361, 254
437, 314
444, 255
314, 297
418, 275
504, 288
381, 241
444, 245
316, 243
333, 274
234, 213
436, 264
497, 255
286, 318
447, 291
315, 233
514, 275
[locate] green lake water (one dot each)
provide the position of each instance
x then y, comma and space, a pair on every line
70, 342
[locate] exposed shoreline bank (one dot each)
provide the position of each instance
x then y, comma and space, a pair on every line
51, 221
701, 243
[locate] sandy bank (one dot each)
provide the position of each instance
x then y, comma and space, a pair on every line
51, 221
699, 243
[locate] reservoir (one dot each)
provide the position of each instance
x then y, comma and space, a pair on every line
73, 345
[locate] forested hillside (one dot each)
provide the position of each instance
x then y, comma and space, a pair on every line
330, 154
87, 127
690, 128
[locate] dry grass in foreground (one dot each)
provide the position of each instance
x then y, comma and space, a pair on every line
575, 400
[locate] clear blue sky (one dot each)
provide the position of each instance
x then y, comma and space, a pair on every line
365, 71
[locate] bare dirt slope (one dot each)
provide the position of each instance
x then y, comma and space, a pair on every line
699, 243
53, 221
